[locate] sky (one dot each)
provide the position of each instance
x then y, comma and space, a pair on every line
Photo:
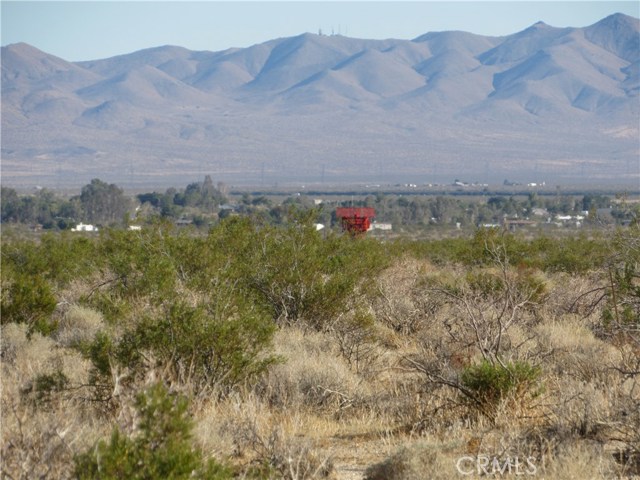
90, 30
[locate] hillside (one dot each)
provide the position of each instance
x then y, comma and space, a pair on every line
544, 104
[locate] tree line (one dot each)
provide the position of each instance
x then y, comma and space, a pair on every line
205, 203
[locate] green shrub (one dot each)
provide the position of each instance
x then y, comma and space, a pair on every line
161, 449
142, 263
488, 383
100, 351
58, 258
205, 348
623, 279
33, 271
485, 282
28, 299
197, 346
299, 275
577, 254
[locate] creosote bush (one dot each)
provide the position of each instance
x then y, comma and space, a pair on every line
29, 300
204, 348
197, 347
301, 277
162, 446
315, 328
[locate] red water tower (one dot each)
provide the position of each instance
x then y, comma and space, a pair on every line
355, 220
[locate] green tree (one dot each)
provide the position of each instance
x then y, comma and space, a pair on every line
202, 195
10, 204
103, 203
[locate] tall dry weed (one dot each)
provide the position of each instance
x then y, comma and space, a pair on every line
263, 441
312, 374
43, 425
404, 303
78, 325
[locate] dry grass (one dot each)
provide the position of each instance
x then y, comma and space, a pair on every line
574, 349
312, 375
41, 433
78, 325
320, 414
246, 431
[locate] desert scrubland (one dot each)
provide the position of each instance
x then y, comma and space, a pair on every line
260, 351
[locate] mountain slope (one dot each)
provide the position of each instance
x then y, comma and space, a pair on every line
431, 108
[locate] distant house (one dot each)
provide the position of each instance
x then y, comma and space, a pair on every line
81, 227
381, 226
566, 220
135, 227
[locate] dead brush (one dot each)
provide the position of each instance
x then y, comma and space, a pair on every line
574, 350
277, 456
356, 336
273, 446
403, 302
45, 419
572, 294
34, 448
423, 459
39, 442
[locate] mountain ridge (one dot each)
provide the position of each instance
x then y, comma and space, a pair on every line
355, 109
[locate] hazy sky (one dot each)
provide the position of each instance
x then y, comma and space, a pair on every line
87, 30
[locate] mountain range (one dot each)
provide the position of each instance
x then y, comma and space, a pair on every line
545, 104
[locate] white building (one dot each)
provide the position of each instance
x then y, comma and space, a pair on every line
81, 227
381, 226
